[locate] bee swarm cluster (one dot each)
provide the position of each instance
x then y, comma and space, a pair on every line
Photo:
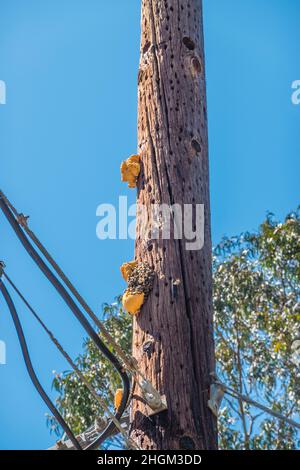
141, 279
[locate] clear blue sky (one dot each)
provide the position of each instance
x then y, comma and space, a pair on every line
70, 67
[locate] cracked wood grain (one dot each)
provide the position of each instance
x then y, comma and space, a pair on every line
173, 144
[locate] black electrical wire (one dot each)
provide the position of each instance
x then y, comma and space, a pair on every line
22, 221
30, 369
78, 314
53, 339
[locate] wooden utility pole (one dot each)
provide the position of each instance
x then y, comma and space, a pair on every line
173, 333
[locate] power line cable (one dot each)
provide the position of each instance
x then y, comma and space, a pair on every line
22, 220
72, 305
30, 369
150, 394
235, 394
58, 345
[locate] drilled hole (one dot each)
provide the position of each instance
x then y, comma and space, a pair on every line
186, 443
196, 64
196, 146
189, 43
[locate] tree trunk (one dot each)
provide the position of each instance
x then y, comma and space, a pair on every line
177, 316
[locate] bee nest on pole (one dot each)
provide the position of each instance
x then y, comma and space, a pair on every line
140, 280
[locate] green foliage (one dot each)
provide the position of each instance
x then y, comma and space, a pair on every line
257, 319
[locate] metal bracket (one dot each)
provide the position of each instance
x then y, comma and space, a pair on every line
90, 434
216, 395
152, 397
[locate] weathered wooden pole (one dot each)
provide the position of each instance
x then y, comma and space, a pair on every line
173, 333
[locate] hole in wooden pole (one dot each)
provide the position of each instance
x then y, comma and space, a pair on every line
195, 145
189, 43
196, 64
187, 443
